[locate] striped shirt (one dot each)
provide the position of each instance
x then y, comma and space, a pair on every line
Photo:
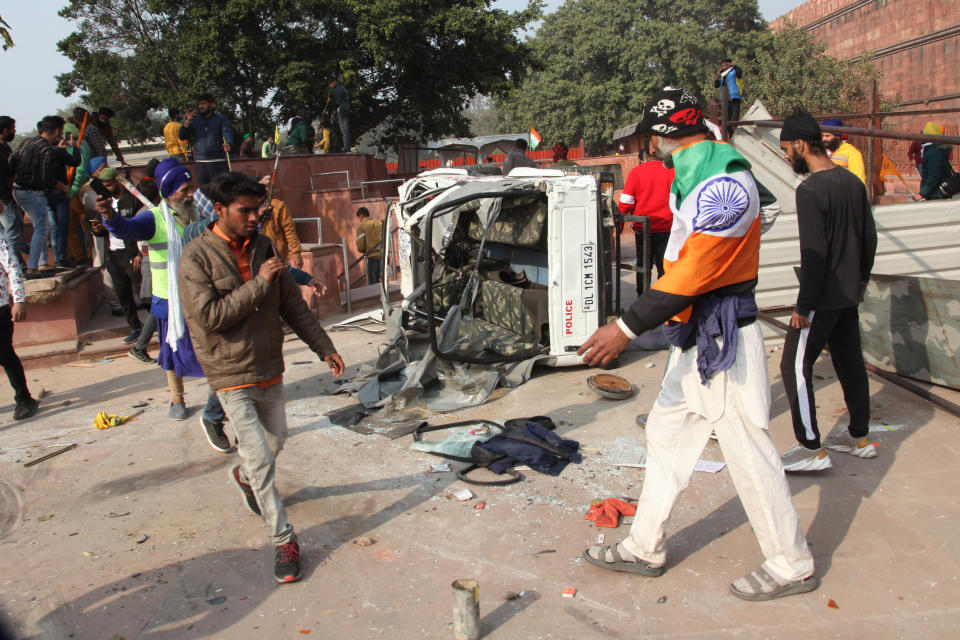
11, 281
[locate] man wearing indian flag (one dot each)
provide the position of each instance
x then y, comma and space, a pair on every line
716, 374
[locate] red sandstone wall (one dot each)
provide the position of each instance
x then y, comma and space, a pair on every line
915, 73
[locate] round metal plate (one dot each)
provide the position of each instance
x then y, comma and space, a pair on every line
611, 386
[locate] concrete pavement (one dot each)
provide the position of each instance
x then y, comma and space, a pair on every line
884, 532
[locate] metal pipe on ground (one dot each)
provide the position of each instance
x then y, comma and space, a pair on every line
898, 380
466, 609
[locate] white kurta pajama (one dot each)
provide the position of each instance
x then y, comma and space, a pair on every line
736, 404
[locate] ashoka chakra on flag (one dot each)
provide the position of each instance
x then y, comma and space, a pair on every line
720, 204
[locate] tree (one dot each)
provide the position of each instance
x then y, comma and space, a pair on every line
481, 113
791, 72
5, 34
410, 65
596, 63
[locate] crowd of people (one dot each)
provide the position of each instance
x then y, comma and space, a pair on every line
210, 140
216, 260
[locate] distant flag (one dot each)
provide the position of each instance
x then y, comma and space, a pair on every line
535, 138
276, 135
887, 168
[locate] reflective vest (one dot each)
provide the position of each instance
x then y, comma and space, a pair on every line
157, 247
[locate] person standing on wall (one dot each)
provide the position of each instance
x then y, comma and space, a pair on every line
729, 76
212, 139
340, 98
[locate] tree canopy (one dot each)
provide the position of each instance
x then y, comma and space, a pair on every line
596, 62
410, 65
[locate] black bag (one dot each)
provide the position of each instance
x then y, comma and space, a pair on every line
480, 458
951, 186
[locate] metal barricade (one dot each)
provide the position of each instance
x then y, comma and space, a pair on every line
328, 173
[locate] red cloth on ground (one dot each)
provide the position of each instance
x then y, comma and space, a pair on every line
647, 193
608, 512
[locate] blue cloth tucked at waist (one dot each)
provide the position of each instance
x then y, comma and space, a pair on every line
713, 317
158, 307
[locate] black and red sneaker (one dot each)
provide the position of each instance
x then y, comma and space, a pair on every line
288, 562
248, 496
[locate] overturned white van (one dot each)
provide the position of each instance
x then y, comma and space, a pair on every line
505, 268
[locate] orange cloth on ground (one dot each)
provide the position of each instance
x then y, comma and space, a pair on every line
608, 512
239, 251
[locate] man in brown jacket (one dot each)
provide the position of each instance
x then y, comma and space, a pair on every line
234, 291
279, 226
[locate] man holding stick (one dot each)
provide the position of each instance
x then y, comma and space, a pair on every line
235, 291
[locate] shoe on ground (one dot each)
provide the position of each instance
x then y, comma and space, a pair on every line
799, 458
142, 356
133, 337
178, 411
846, 443
25, 408
288, 562
759, 585
248, 496
116, 313
215, 435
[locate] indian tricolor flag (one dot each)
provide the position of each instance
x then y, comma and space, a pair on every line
535, 138
715, 238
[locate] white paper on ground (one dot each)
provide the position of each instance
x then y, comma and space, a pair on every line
640, 462
463, 494
709, 466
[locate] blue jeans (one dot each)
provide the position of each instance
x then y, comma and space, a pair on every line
58, 206
11, 219
213, 412
373, 270
34, 205
343, 119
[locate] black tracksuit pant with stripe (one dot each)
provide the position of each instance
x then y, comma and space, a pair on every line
840, 331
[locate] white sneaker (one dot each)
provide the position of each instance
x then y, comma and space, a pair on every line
845, 443
799, 458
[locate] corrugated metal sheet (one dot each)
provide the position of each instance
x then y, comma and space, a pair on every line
917, 239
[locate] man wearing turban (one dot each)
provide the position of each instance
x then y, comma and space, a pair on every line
162, 229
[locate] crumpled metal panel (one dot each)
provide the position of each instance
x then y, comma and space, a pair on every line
911, 326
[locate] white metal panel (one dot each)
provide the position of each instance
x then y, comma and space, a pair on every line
917, 238
574, 291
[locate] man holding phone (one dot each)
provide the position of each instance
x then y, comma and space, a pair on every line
120, 254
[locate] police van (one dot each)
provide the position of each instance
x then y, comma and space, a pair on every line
505, 268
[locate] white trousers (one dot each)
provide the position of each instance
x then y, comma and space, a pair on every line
735, 403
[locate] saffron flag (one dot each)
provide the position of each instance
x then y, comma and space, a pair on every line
535, 138
276, 135
887, 168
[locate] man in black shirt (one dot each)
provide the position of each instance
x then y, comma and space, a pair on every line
838, 240
35, 167
122, 254
341, 100
11, 216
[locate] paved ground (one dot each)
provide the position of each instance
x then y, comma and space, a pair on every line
884, 532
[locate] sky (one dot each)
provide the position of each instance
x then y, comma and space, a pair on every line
28, 69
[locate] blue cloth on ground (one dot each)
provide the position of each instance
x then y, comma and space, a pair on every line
533, 445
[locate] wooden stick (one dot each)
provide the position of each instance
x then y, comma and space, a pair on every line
50, 455
229, 167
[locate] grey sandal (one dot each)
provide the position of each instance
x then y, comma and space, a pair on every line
760, 585
618, 563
